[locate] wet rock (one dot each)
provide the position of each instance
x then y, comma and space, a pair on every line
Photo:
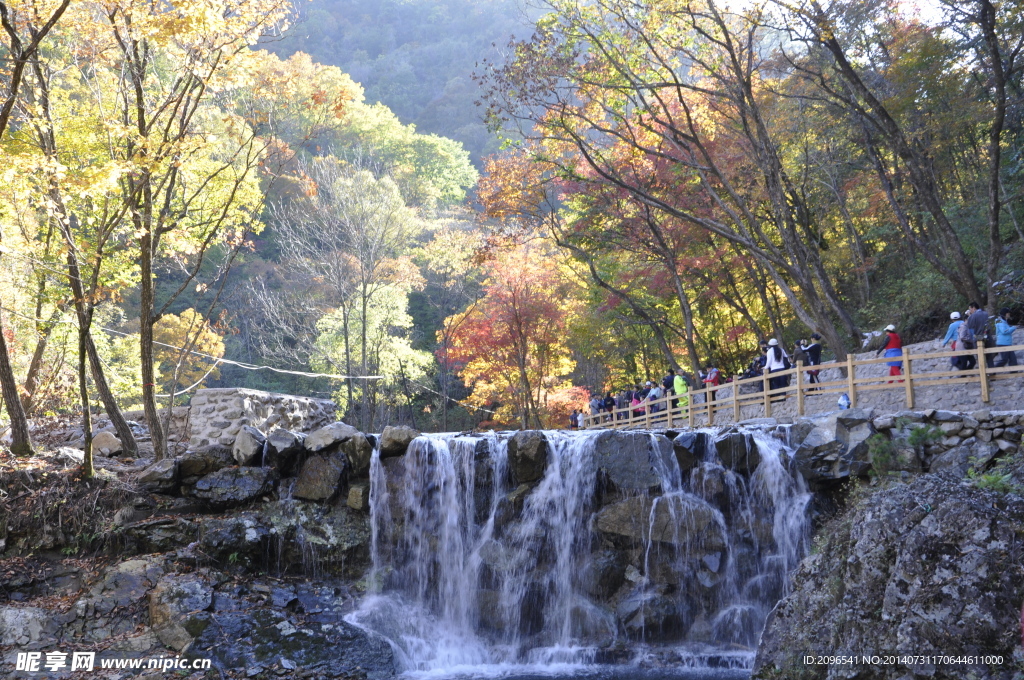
358, 451
925, 565
690, 448
233, 486
738, 452
162, 534
101, 612
395, 440
326, 437
684, 521
592, 623
161, 476
26, 626
248, 447
320, 477
106, 443
603, 573
652, 614
284, 449
177, 609
707, 481
205, 460
528, 455
633, 461
263, 637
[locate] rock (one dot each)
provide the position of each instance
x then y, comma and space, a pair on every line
603, 573
320, 477
691, 448
884, 423
1006, 446
358, 451
233, 486
683, 521
326, 437
633, 461
951, 427
527, 455
249, 446
394, 440
26, 626
177, 609
738, 452
707, 481
284, 449
947, 417
923, 565
205, 460
982, 416
799, 431
161, 476
836, 448
651, 614
106, 443
359, 497
104, 610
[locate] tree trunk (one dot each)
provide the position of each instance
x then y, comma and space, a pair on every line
88, 471
146, 347
21, 441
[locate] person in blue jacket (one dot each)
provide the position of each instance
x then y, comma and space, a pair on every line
1004, 338
951, 334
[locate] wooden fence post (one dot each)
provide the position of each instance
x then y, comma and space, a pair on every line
708, 398
851, 386
736, 399
767, 397
907, 378
982, 371
799, 388
689, 408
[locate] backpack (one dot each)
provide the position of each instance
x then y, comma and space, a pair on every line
964, 334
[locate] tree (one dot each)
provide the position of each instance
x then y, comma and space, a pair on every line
511, 345
26, 25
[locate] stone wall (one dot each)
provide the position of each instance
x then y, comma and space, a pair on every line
217, 415
1006, 393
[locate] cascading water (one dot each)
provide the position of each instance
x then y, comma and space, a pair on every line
596, 559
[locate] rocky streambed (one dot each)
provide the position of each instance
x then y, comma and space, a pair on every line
343, 554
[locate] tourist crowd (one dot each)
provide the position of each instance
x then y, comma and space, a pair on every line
964, 332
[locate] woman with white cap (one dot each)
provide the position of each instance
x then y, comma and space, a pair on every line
893, 348
951, 335
776, 360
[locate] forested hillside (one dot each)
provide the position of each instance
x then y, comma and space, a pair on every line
181, 207
417, 57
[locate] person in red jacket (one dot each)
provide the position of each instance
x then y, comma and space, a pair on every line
893, 348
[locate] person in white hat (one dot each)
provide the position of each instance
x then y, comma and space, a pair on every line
777, 360
893, 348
951, 335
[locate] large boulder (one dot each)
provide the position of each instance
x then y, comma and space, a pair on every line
234, 486
106, 443
177, 609
329, 436
394, 440
684, 521
249, 446
738, 451
633, 461
161, 476
320, 477
358, 450
528, 455
929, 565
836, 447
205, 460
284, 450
691, 448
652, 614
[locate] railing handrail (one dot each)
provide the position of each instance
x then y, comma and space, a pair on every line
661, 411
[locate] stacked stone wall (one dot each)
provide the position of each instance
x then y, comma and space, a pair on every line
217, 415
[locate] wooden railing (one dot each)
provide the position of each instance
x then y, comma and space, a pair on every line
706, 403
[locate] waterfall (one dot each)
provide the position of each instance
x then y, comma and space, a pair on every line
601, 557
